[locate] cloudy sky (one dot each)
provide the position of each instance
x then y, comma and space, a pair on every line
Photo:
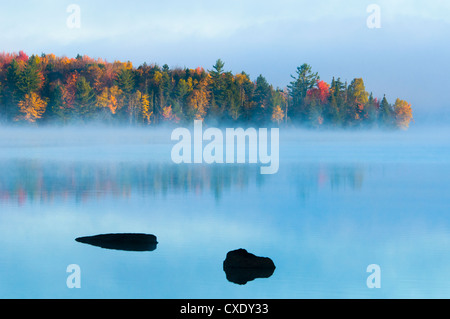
407, 57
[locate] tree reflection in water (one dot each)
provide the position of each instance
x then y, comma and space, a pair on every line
46, 181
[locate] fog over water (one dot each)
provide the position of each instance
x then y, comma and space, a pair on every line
419, 143
341, 200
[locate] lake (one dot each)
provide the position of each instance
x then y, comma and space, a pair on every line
339, 202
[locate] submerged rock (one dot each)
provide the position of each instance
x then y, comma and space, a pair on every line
122, 241
241, 266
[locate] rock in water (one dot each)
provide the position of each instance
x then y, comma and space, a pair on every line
122, 241
241, 266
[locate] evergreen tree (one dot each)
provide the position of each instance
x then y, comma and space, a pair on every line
125, 81
261, 100
385, 113
55, 110
245, 88
218, 89
30, 79
331, 114
232, 103
84, 98
11, 92
305, 80
371, 111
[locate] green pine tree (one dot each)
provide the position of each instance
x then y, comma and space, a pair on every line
298, 88
84, 98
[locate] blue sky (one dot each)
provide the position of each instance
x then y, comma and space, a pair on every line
407, 57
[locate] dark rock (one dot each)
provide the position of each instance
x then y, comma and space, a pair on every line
241, 266
122, 241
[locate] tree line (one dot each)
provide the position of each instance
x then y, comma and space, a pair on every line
51, 89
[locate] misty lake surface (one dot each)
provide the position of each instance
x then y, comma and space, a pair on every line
340, 201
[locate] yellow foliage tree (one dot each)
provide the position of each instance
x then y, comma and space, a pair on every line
403, 113
198, 100
110, 98
277, 114
157, 77
146, 111
32, 107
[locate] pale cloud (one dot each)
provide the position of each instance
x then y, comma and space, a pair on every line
260, 37
436, 10
44, 21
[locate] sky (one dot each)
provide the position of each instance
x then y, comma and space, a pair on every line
406, 57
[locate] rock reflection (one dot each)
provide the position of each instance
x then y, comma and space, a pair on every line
122, 241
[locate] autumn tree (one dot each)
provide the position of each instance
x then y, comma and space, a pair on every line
69, 91
317, 101
138, 108
357, 99
22, 56
198, 100
403, 113
279, 99
32, 107
277, 114
86, 88
168, 115
109, 99
146, 109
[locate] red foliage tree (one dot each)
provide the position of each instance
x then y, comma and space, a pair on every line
320, 93
22, 56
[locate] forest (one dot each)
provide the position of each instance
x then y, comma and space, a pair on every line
49, 89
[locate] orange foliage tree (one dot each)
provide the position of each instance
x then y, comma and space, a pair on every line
110, 98
403, 113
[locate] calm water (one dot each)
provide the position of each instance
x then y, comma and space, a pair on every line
339, 202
